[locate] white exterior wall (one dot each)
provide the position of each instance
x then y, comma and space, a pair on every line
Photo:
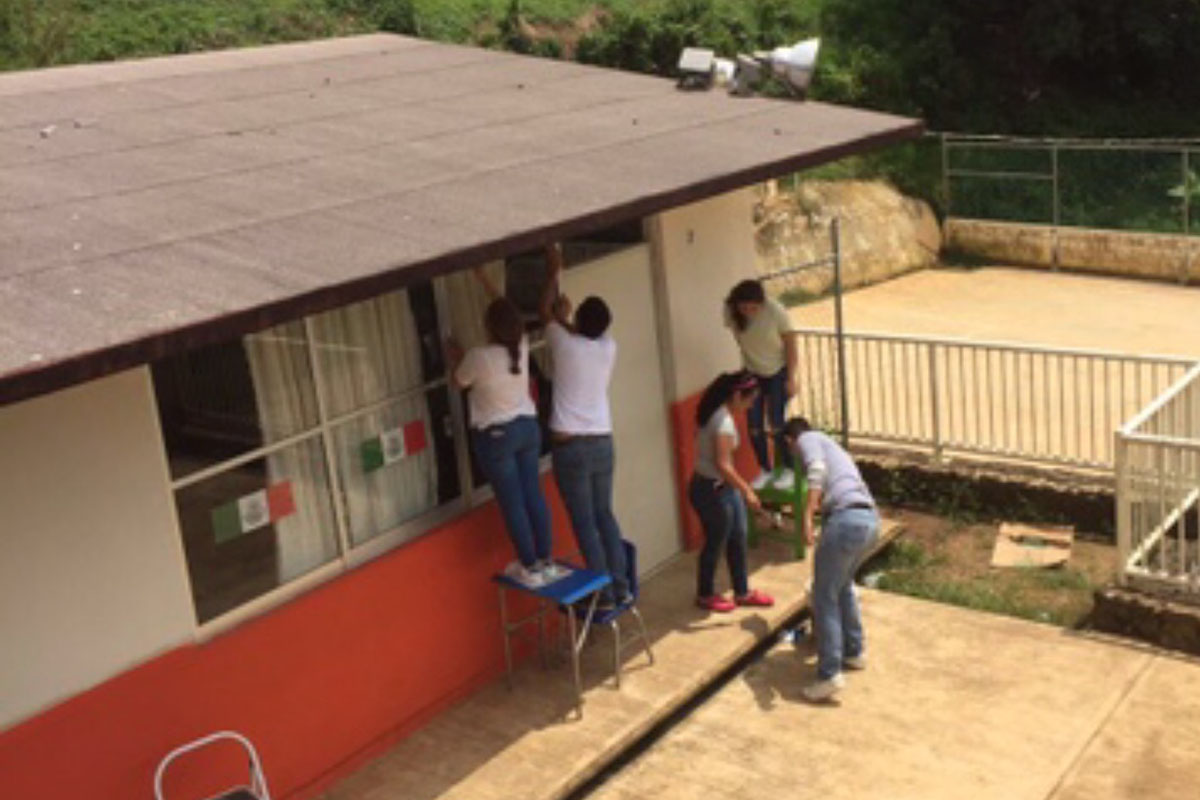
643, 484
703, 250
92, 575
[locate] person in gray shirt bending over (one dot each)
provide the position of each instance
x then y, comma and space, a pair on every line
850, 524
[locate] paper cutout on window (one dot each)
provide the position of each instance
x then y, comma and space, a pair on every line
253, 511
393, 445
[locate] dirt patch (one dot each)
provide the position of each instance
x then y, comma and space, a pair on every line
949, 560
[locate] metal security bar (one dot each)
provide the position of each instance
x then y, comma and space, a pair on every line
1013, 401
1158, 488
1069, 182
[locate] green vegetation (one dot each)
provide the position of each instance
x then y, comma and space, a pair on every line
1053, 67
949, 563
1099, 67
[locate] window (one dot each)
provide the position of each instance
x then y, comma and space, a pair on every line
288, 448
292, 448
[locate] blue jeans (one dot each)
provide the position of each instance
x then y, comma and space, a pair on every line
723, 515
583, 469
769, 407
508, 455
846, 536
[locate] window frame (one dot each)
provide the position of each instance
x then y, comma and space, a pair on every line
471, 495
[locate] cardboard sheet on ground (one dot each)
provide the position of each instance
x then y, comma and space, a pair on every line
1027, 546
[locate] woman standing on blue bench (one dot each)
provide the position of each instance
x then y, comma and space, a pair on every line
720, 495
505, 436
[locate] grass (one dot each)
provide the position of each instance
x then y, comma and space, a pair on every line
948, 561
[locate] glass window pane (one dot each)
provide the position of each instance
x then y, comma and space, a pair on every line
220, 401
370, 351
397, 463
257, 526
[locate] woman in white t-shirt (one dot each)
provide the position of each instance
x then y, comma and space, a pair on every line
720, 495
760, 326
506, 438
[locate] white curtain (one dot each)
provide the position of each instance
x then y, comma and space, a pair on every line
468, 300
279, 367
368, 352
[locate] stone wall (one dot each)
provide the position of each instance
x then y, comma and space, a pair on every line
883, 233
1140, 255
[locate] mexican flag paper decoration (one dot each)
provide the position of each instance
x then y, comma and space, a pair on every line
253, 511
393, 445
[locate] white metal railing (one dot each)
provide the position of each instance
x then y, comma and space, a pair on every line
1158, 485
1013, 401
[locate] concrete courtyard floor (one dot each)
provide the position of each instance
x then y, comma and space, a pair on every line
1025, 305
954, 704
527, 743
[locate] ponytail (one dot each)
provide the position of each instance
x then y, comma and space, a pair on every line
514, 358
504, 326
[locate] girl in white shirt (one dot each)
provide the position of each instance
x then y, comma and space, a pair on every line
720, 495
506, 437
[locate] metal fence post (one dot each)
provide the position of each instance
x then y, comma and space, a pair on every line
1124, 518
1055, 211
836, 243
934, 402
946, 175
1187, 213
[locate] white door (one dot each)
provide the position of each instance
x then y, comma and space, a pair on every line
645, 496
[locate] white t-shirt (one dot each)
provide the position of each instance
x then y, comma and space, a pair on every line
762, 342
497, 395
583, 368
719, 424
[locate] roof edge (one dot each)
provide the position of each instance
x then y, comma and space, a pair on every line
44, 378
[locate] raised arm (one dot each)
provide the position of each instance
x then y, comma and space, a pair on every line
486, 282
554, 306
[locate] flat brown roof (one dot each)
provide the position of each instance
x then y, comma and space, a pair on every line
151, 206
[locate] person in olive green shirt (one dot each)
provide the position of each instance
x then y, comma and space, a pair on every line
760, 325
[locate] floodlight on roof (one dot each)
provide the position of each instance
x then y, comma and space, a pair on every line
696, 66
794, 64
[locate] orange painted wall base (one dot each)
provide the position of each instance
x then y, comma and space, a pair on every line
319, 684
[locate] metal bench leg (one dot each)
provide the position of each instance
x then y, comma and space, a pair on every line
642, 626
616, 631
504, 634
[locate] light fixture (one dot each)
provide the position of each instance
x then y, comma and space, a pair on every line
696, 67
794, 65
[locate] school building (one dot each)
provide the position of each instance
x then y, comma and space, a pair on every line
235, 487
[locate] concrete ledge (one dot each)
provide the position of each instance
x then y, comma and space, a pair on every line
1157, 620
528, 743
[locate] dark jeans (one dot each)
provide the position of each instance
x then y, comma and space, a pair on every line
769, 407
508, 455
723, 515
583, 469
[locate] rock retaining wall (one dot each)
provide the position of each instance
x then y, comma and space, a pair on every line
883, 233
1140, 255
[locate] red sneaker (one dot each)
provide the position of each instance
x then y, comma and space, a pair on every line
715, 603
755, 598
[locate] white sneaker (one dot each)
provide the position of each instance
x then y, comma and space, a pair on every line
821, 691
533, 578
785, 482
760, 481
552, 572
854, 663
